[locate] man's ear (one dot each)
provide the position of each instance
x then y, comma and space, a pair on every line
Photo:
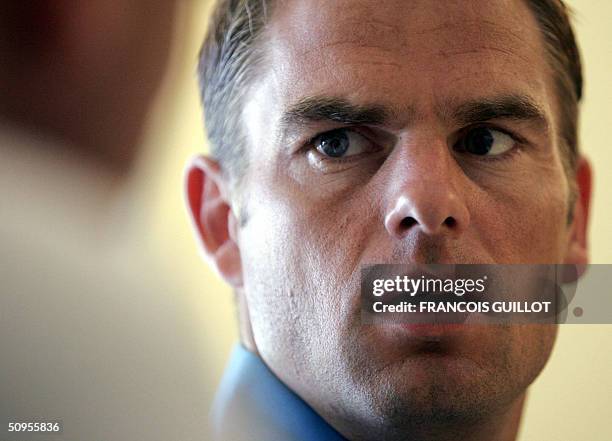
577, 250
214, 223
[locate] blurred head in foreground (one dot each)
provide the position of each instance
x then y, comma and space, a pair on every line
350, 133
89, 325
83, 73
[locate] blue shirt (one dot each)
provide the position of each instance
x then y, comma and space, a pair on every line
253, 404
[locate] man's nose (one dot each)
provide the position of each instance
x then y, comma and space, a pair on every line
428, 198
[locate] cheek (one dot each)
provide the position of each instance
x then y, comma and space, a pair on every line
524, 222
315, 237
531, 349
300, 257
516, 353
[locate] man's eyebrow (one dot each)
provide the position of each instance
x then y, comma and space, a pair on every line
328, 108
516, 107
340, 110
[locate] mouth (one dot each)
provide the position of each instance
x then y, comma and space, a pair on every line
422, 340
430, 331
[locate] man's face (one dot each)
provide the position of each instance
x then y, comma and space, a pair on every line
440, 147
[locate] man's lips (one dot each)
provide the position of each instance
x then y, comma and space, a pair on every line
411, 337
432, 330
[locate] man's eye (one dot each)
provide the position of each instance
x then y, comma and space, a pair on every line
341, 143
483, 141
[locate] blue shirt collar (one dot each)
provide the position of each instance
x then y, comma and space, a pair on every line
252, 403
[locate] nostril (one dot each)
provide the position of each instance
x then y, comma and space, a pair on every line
407, 223
450, 222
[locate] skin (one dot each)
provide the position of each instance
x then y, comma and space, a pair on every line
292, 240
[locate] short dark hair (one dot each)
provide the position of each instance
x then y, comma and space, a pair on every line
230, 55
227, 61
553, 17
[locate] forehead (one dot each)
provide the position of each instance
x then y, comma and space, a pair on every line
404, 50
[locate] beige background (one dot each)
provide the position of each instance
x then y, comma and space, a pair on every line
572, 398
